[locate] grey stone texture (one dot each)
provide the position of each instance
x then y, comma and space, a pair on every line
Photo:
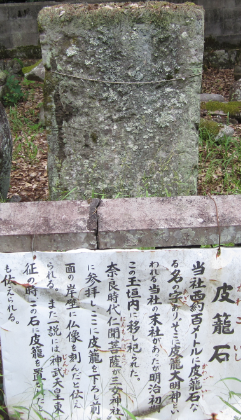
121, 100
168, 222
11, 66
235, 91
48, 226
2, 91
37, 73
206, 97
5, 153
237, 71
226, 131
223, 59
14, 67
237, 67
122, 223
3, 78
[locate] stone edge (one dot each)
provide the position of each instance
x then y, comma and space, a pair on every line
120, 224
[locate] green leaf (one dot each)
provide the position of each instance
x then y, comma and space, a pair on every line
129, 413
38, 414
37, 394
18, 414
50, 415
230, 405
41, 384
20, 407
230, 377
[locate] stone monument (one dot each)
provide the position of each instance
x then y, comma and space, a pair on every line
5, 153
122, 98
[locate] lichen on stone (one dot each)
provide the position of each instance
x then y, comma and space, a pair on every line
121, 98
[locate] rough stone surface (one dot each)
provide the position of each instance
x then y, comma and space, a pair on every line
235, 91
206, 97
135, 128
223, 59
10, 67
225, 131
13, 67
122, 223
168, 222
5, 153
237, 72
15, 199
48, 226
3, 78
2, 91
37, 73
237, 67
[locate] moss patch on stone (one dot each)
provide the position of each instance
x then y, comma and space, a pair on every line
233, 108
208, 128
26, 70
27, 51
112, 13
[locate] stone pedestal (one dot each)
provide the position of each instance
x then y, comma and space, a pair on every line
122, 98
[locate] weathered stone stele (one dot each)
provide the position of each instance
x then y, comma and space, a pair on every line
122, 98
5, 153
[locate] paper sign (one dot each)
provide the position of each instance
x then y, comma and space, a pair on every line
88, 334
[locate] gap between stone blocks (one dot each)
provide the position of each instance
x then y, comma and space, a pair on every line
93, 222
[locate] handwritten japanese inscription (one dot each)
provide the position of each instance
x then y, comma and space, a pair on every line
94, 332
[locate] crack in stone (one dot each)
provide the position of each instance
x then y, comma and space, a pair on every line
93, 221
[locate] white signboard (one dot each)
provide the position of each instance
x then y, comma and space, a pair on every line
88, 334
